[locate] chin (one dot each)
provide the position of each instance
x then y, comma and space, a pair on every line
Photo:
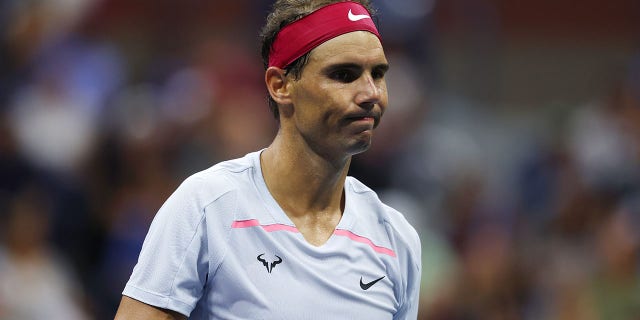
360, 146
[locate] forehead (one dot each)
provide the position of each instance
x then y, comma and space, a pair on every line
360, 47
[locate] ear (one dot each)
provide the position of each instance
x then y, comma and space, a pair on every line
277, 81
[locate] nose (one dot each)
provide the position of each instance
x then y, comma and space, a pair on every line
370, 91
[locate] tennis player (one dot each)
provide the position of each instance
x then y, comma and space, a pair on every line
284, 233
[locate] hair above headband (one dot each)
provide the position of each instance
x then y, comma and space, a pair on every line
301, 36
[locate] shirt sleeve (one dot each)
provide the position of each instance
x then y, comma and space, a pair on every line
409, 309
173, 265
411, 301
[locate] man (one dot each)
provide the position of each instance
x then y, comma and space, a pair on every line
284, 233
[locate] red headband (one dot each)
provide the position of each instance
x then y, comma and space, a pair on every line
326, 23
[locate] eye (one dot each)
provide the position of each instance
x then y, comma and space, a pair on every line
378, 73
344, 75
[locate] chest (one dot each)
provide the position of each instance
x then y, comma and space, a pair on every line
270, 271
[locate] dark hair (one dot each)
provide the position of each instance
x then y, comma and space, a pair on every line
283, 13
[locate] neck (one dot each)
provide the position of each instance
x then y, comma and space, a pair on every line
304, 182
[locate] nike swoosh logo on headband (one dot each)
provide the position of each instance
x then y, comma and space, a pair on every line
356, 17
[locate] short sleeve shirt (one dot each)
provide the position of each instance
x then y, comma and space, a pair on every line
221, 248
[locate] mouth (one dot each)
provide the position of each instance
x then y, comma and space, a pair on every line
365, 118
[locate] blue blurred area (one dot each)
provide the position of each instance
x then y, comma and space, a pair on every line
512, 143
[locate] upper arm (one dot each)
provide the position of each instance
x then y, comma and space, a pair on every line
174, 261
410, 265
131, 309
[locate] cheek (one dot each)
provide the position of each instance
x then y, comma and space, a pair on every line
311, 92
310, 111
384, 98
321, 101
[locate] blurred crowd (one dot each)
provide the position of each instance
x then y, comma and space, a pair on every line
107, 105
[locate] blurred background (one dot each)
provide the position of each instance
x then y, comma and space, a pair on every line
511, 142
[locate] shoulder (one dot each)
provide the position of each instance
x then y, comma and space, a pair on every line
211, 190
375, 214
220, 179
365, 197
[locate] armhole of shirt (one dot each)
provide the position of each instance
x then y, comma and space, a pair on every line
215, 265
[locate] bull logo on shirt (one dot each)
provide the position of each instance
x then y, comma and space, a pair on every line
269, 265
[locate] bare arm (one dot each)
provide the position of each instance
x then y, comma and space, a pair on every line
131, 309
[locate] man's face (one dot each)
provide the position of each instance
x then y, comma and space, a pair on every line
341, 94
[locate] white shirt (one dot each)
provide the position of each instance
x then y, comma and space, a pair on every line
222, 248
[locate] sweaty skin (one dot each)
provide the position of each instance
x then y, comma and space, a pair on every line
326, 116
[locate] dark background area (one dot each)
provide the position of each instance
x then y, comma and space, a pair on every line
511, 142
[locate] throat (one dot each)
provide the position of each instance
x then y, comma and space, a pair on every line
316, 228
312, 195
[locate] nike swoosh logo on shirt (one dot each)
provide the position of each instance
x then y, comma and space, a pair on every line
368, 285
356, 17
